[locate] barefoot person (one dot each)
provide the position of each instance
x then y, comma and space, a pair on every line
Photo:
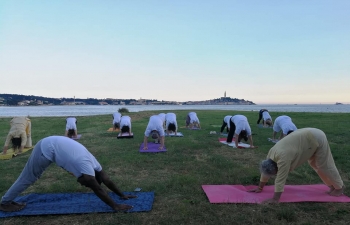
284, 125
71, 127
192, 120
171, 123
307, 144
266, 118
19, 134
125, 124
240, 129
71, 156
156, 130
116, 120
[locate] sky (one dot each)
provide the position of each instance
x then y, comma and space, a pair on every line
268, 52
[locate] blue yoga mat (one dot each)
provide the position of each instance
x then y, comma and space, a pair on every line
77, 203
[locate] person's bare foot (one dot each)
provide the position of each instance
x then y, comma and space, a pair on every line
12, 207
337, 192
122, 207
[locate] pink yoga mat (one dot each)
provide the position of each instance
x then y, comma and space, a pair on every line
152, 148
292, 193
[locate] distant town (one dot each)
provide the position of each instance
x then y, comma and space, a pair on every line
31, 100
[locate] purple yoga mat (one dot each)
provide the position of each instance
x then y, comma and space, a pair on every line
152, 148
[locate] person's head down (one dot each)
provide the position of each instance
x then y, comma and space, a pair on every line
116, 125
16, 142
171, 127
268, 168
243, 135
70, 133
125, 129
154, 135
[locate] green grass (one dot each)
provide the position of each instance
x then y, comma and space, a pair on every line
176, 176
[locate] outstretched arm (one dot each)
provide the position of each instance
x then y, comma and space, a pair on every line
145, 147
112, 186
161, 143
91, 182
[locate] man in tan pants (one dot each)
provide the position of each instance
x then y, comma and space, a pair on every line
19, 134
307, 144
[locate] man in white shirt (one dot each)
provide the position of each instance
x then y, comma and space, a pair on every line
266, 118
239, 128
192, 120
72, 157
284, 124
171, 123
71, 127
156, 130
125, 124
116, 120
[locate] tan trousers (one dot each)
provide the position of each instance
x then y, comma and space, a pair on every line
322, 161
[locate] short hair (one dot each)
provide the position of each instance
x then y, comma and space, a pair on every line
268, 122
116, 125
172, 127
243, 135
155, 135
291, 131
268, 167
16, 142
125, 129
70, 133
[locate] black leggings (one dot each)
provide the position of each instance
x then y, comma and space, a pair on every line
224, 124
260, 114
231, 132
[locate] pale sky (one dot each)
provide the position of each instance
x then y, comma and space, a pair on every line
274, 51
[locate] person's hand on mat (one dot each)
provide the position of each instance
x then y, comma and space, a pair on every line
4, 150
122, 207
160, 147
252, 146
126, 197
145, 148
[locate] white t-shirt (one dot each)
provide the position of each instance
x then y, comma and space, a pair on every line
285, 124
71, 123
241, 123
116, 117
193, 117
162, 116
125, 121
70, 155
170, 118
227, 120
155, 123
266, 116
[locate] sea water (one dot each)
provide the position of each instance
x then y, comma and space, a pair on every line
89, 110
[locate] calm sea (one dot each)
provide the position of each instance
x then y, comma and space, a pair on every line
89, 110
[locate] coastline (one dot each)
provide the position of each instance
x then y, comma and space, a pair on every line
90, 110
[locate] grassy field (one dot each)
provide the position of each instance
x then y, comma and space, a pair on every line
177, 175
